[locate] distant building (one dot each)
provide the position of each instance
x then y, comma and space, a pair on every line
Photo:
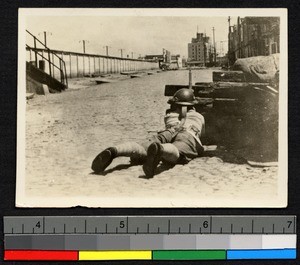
155, 58
254, 36
166, 60
198, 50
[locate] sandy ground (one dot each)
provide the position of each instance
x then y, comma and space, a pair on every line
65, 131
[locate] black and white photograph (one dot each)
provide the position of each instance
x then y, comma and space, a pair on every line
152, 107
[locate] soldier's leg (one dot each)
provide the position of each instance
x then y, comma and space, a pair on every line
155, 153
129, 149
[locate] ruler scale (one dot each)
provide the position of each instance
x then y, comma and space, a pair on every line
149, 237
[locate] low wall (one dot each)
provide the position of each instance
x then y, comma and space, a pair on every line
81, 64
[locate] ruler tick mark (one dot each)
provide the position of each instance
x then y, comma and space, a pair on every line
75, 230
22, 228
231, 228
273, 228
43, 224
179, 229
190, 228
106, 228
85, 225
64, 228
158, 230
96, 230
169, 225
221, 230
252, 226
148, 229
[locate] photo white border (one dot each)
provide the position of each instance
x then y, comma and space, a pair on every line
24, 201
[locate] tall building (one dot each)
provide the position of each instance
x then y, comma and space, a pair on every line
198, 51
254, 36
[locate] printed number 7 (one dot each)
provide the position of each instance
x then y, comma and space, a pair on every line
289, 223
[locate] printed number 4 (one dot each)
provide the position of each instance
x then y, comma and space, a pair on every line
38, 224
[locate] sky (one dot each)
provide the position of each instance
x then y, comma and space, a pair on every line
138, 34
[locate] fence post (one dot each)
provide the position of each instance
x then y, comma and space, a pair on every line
94, 65
77, 66
53, 63
83, 65
99, 65
35, 53
49, 59
70, 65
103, 64
106, 65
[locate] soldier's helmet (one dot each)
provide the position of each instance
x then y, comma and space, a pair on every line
183, 96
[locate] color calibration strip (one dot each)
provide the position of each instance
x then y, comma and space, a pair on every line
150, 255
149, 238
149, 247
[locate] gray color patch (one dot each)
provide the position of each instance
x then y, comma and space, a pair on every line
146, 242
48, 242
113, 242
245, 241
179, 242
81, 242
17, 242
213, 241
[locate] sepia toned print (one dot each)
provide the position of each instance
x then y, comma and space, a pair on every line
147, 108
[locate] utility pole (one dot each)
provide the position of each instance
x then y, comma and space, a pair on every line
45, 36
204, 50
83, 44
215, 55
239, 36
229, 37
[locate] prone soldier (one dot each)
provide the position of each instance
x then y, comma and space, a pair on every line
178, 143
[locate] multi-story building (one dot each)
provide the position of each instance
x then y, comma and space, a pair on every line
253, 36
198, 51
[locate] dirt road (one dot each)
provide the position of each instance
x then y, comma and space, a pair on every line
65, 131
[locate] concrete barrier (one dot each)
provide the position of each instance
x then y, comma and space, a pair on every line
82, 64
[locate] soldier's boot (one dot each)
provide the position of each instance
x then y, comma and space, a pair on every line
130, 149
155, 153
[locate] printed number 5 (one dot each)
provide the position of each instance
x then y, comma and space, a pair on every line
122, 224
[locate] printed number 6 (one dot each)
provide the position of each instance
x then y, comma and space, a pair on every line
205, 224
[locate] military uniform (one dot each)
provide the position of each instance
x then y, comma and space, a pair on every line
186, 137
178, 143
